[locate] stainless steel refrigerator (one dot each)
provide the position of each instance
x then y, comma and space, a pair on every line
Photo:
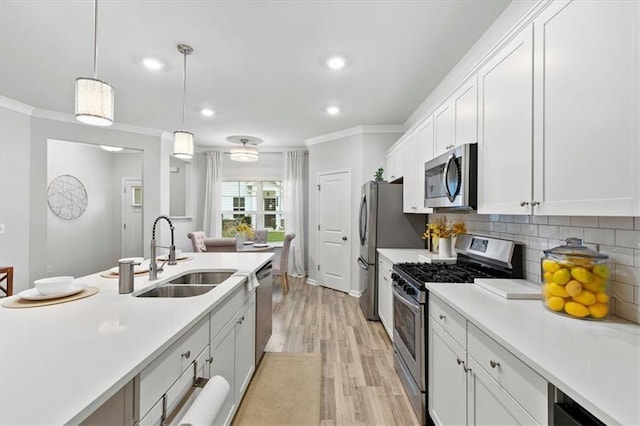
383, 225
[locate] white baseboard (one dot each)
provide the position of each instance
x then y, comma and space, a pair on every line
312, 282
355, 293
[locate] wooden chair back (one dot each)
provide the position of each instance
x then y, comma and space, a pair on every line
6, 281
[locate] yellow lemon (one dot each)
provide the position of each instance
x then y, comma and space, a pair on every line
548, 277
582, 275
561, 276
598, 310
573, 287
576, 309
550, 266
557, 290
602, 297
601, 270
596, 284
586, 298
555, 303
545, 291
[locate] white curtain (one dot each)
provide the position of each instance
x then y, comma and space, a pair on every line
212, 222
294, 190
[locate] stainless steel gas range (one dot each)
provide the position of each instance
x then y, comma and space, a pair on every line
478, 257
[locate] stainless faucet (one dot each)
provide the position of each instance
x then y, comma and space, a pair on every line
153, 264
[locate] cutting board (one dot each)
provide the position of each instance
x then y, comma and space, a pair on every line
510, 289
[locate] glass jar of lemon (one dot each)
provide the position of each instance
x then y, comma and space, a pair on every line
575, 281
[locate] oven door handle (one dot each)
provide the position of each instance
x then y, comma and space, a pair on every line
413, 306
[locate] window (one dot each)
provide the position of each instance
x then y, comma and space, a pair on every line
256, 203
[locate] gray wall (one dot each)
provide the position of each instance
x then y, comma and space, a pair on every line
24, 183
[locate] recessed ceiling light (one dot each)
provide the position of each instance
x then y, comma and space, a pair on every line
152, 64
207, 112
332, 110
111, 148
336, 63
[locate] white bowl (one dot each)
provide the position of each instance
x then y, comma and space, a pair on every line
53, 285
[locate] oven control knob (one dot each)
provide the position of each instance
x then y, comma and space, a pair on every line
394, 276
410, 290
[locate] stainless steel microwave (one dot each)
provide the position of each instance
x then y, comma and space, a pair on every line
450, 180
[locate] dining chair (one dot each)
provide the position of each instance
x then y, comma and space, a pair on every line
6, 281
260, 236
201, 243
280, 270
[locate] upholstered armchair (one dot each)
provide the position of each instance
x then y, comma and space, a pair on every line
201, 243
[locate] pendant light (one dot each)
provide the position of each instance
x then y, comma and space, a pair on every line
183, 146
94, 98
244, 153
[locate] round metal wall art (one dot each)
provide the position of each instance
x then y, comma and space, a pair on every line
67, 197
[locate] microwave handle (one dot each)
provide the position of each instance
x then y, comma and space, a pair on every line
451, 158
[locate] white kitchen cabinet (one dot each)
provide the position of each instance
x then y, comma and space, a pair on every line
410, 172
385, 294
232, 357
447, 378
425, 153
245, 347
505, 135
395, 161
465, 112
443, 127
474, 380
586, 133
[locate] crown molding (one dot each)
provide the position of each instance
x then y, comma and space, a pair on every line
47, 114
353, 131
16, 106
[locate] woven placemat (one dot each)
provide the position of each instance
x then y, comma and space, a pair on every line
23, 303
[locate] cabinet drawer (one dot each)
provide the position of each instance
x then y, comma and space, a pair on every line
450, 320
518, 379
164, 370
227, 309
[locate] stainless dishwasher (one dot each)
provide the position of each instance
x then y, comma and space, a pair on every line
264, 309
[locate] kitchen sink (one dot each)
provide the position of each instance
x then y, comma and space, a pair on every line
188, 285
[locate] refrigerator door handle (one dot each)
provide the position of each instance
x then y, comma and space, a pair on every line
363, 219
363, 264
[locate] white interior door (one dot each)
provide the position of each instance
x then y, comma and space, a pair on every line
334, 202
131, 218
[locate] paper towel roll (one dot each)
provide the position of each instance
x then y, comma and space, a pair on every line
208, 403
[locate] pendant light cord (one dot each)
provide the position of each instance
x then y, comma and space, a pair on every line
184, 88
95, 39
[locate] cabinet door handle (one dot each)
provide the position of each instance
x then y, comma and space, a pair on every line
524, 203
494, 364
449, 146
459, 361
534, 203
466, 369
442, 317
186, 355
210, 360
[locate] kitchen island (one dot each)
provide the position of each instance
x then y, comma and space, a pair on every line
595, 363
60, 363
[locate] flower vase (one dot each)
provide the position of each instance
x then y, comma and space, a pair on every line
239, 240
444, 247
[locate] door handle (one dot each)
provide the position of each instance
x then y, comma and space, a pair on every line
344, 238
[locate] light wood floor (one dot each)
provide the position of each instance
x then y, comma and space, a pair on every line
359, 384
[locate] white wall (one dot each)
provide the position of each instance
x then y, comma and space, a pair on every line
177, 187
362, 154
15, 206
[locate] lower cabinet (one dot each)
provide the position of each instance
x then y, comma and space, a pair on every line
385, 294
474, 380
220, 344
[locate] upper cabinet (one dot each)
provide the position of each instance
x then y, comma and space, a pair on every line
456, 119
418, 149
394, 162
505, 136
586, 140
558, 128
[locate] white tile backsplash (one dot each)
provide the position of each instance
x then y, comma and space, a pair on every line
617, 237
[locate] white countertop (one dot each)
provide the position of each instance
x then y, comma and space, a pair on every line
595, 363
61, 362
396, 255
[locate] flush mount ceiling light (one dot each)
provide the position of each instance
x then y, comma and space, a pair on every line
332, 110
336, 63
94, 98
183, 145
111, 148
152, 64
248, 152
207, 112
